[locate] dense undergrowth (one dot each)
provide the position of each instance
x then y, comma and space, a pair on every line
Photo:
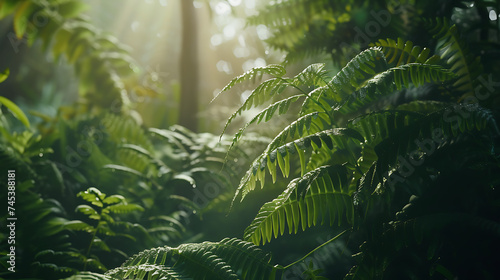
385, 169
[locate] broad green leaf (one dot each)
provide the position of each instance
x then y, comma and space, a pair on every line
4, 75
16, 111
22, 16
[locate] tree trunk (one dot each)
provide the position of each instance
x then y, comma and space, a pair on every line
188, 110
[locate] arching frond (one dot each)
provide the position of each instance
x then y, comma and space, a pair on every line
376, 126
311, 76
396, 78
281, 107
125, 130
254, 74
425, 134
454, 51
400, 52
280, 156
351, 78
90, 276
321, 193
227, 259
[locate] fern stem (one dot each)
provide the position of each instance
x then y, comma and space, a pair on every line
315, 249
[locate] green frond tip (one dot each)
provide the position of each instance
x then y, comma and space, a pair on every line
280, 107
260, 95
254, 74
230, 258
321, 193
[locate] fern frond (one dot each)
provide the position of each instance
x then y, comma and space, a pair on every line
400, 52
452, 50
125, 130
259, 95
449, 123
85, 275
228, 259
254, 74
144, 271
280, 156
427, 106
376, 126
313, 75
352, 77
281, 107
394, 79
304, 125
319, 193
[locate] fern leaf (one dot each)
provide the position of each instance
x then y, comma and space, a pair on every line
321, 192
394, 79
227, 259
90, 276
255, 73
400, 52
375, 127
455, 53
281, 107
144, 271
259, 95
447, 123
351, 78
307, 124
312, 75
280, 156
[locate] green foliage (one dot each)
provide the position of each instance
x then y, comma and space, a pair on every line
380, 150
101, 63
18, 113
356, 174
102, 212
321, 193
227, 259
456, 54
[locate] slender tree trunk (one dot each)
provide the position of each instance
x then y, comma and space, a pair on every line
188, 67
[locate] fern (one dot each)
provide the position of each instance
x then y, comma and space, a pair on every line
254, 74
281, 107
452, 50
400, 52
280, 156
227, 259
319, 193
396, 78
311, 76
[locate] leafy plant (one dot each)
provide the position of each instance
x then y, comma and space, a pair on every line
102, 214
360, 152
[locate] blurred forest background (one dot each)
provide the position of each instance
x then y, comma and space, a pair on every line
136, 136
